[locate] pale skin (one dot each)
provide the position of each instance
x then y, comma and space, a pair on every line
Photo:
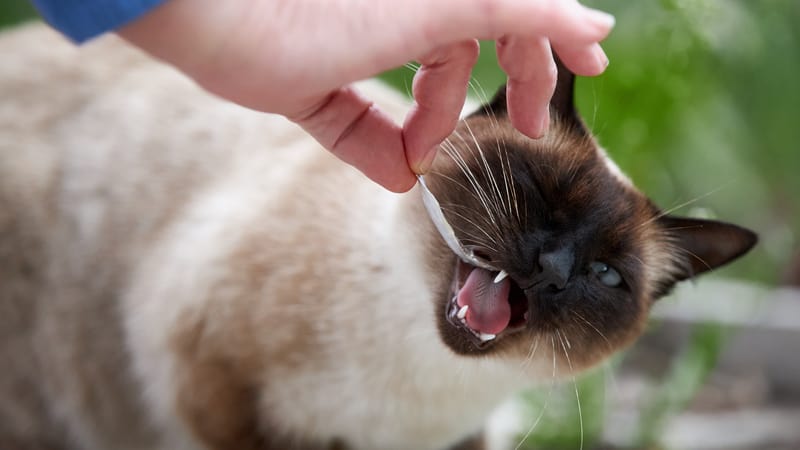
299, 58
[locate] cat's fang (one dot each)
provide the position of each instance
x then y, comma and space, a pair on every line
500, 276
462, 313
486, 337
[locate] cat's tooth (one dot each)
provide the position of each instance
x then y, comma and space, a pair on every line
500, 276
462, 313
486, 337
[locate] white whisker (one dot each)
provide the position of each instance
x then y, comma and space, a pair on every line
681, 205
608, 343
460, 185
467, 219
546, 400
476, 191
479, 91
486, 168
510, 181
698, 258
414, 67
574, 383
529, 359
464, 167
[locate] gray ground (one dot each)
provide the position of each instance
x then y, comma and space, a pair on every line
752, 399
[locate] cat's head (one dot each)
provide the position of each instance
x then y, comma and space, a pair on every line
586, 253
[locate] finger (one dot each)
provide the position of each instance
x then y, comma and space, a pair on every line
532, 77
587, 61
422, 25
567, 22
360, 134
440, 89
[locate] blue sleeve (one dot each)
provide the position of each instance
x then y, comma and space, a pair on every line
81, 20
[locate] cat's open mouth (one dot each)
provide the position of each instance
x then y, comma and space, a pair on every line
486, 305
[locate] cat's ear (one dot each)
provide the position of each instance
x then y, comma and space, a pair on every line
562, 103
703, 245
497, 106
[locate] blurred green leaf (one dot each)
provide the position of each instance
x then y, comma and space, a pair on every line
687, 374
566, 416
15, 11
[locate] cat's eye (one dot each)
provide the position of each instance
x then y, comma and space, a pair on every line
606, 274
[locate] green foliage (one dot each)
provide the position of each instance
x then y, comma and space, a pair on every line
566, 416
698, 105
15, 11
687, 374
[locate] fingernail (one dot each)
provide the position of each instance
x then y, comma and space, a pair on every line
426, 162
544, 124
601, 18
602, 59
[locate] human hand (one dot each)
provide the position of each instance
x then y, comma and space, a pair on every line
299, 58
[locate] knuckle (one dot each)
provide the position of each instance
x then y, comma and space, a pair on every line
487, 11
550, 74
469, 51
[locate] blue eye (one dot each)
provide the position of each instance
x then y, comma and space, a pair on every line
606, 274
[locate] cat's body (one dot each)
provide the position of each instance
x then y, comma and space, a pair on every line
181, 273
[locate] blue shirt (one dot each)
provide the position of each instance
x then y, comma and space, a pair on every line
82, 20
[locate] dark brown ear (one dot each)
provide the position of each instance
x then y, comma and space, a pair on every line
562, 103
497, 106
706, 244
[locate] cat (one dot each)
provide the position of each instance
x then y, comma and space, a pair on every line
181, 273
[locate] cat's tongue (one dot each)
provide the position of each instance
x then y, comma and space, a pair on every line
489, 310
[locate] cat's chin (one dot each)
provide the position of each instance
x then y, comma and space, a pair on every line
484, 309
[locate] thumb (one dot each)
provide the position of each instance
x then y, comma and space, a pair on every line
360, 134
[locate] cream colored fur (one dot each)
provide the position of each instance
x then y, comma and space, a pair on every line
134, 207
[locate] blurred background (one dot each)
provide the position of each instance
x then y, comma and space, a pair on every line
699, 106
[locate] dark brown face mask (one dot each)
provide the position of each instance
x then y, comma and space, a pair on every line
546, 238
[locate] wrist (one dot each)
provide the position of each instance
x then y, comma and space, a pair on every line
81, 20
188, 34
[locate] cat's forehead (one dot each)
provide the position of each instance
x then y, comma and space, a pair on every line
566, 166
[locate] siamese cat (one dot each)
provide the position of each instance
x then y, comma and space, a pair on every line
177, 272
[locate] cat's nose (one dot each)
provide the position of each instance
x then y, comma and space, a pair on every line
556, 267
